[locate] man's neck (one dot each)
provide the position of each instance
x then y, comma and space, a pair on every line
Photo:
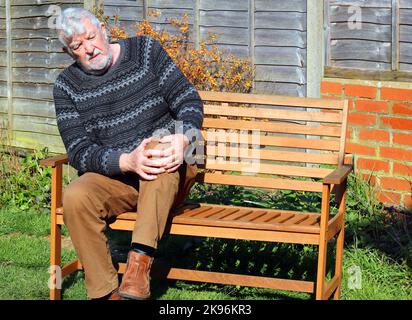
115, 47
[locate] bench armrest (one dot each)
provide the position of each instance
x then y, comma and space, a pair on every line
56, 160
338, 175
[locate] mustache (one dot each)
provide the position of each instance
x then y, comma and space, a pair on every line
94, 53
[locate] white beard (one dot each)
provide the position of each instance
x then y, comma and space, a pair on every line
99, 71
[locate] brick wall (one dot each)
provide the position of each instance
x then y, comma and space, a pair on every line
379, 133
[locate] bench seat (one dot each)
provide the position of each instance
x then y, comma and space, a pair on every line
221, 220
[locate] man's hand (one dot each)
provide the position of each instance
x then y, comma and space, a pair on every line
140, 162
174, 155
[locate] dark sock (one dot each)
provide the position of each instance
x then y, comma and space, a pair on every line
143, 249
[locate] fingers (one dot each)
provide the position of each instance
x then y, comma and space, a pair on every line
175, 162
152, 170
144, 143
154, 153
147, 176
173, 169
156, 163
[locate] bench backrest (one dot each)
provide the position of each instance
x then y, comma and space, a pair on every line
269, 141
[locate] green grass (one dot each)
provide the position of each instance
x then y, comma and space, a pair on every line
24, 262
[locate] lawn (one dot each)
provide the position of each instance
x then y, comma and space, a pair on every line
377, 258
24, 262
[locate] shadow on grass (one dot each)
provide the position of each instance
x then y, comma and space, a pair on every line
286, 261
70, 281
389, 231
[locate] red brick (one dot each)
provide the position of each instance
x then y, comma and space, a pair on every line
402, 138
372, 165
402, 108
360, 91
372, 106
389, 197
360, 149
402, 169
390, 183
362, 119
397, 123
396, 94
351, 105
370, 178
395, 153
372, 134
331, 88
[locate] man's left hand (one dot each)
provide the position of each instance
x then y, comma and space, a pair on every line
174, 155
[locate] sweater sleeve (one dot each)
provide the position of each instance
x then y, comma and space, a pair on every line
84, 154
180, 94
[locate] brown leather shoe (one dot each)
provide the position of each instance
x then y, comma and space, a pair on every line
115, 296
136, 279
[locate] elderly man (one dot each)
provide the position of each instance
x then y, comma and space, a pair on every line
110, 103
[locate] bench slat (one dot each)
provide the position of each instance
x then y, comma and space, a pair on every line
274, 155
235, 216
296, 220
279, 127
273, 113
253, 216
259, 182
192, 213
284, 170
216, 214
269, 216
272, 100
275, 141
261, 224
232, 279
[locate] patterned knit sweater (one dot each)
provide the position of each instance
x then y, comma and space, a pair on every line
99, 117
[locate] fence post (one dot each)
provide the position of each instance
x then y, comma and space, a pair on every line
252, 36
9, 70
196, 25
395, 34
145, 10
314, 61
89, 4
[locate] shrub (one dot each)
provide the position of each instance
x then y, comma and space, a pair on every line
207, 67
24, 183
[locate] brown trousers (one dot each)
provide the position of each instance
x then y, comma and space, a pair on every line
93, 200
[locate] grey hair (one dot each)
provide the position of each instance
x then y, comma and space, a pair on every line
70, 22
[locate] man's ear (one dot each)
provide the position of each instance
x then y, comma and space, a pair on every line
103, 28
105, 31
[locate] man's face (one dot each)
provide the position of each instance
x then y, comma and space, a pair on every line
91, 48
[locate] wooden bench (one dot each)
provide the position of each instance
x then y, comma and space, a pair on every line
267, 142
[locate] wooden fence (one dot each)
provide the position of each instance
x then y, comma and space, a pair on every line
369, 34
282, 39
31, 57
271, 33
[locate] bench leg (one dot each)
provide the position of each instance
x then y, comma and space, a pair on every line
323, 244
320, 278
339, 246
338, 263
55, 262
55, 279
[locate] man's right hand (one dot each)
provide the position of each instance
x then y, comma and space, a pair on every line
140, 162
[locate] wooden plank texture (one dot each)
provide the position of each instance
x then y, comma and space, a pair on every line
278, 30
